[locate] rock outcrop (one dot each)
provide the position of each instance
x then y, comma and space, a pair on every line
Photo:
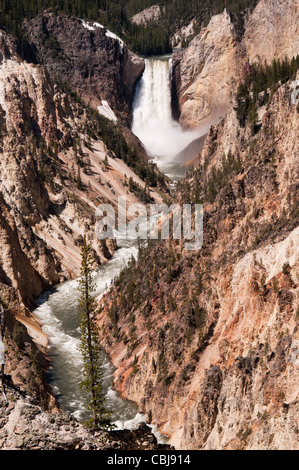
183, 34
205, 74
89, 58
149, 15
25, 425
28, 273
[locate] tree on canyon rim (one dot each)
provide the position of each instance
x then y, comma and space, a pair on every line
92, 382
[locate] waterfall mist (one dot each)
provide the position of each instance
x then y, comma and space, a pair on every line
153, 124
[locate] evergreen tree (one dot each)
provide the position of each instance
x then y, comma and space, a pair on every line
150, 39
92, 382
259, 85
79, 180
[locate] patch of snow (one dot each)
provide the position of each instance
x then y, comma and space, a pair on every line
108, 33
87, 26
98, 25
106, 111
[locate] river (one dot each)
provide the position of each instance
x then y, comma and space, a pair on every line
58, 309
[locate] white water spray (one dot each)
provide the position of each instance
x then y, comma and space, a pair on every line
59, 313
161, 136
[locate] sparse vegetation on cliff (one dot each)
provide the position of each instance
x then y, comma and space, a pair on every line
176, 313
146, 40
258, 86
206, 342
96, 126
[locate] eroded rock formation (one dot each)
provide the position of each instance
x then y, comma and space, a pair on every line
205, 74
206, 343
97, 65
25, 425
149, 15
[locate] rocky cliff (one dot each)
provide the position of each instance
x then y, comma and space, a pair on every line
25, 425
59, 160
210, 351
91, 59
149, 15
205, 74
272, 31
207, 342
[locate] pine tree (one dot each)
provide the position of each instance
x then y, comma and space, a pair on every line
79, 180
92, 382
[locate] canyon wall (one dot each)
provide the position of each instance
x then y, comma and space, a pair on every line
210, 351
206, 343
93, 61
48, 142
272, 31
59, 160
206, 72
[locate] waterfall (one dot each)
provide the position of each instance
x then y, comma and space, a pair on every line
58, 308
153, 124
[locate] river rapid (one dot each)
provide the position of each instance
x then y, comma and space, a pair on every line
58, 309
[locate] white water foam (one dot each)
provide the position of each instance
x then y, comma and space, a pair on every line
59, 314
153, 124
58, 310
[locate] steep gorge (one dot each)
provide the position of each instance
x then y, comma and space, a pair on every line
59, 160
205, 343
210, 352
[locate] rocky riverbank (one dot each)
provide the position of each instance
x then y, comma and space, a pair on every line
25, 425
